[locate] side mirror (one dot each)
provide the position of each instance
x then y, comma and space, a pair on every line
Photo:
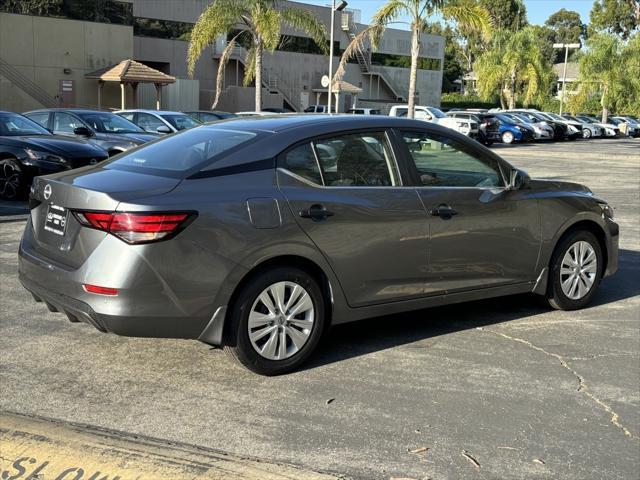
518, 179
163, 129
83, 131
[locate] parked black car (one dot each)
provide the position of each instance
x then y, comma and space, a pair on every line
560, 130
107, 130
210, 115
28, 150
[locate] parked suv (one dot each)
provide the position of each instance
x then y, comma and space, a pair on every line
105, 129
435, 115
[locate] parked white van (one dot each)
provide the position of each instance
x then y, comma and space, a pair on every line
435, 115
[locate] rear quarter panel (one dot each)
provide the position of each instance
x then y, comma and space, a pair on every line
211, 256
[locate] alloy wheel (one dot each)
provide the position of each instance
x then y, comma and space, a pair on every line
586, 133
281, 320
507, 137
578, 270
9, 181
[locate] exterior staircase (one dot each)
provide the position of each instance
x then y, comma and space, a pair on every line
270, 80
364, 60
27, 85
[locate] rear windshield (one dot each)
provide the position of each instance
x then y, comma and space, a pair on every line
180, 154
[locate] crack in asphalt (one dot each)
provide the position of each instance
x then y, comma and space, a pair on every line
582, 384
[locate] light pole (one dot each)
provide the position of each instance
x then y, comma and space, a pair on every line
334, 9
566, 46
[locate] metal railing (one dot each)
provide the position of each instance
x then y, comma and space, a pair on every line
364, 59
27, 85
271, 81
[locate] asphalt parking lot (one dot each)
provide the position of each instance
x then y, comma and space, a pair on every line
505, 388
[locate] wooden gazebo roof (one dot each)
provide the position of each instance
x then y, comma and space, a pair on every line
340, 87
130, 71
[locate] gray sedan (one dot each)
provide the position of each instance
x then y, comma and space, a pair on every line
258, 234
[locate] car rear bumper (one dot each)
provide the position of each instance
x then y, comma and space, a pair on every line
142, 308
129, 326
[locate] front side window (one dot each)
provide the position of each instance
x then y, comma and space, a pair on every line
149, 122
421, 115
181, 122
109, 123
442, 163
65, 123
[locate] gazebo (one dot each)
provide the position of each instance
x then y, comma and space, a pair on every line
132, 73
338, 88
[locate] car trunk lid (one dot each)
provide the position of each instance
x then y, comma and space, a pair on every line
58, 235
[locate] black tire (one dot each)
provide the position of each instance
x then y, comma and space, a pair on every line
555, 295
241, 348
508, 138
12, 180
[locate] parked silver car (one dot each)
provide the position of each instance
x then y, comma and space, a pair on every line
159, 121
260, 233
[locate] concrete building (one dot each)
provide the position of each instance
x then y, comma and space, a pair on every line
573, 74
47, 49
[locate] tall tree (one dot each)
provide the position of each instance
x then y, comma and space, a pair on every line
263, 20
454, 61
607, 70
464, 12
514, 66
506, 14
620, 17
566, 25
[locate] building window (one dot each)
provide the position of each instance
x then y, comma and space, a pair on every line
288, 43
404, 61
151, 27
103, 11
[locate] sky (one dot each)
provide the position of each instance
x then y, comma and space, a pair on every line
537, 10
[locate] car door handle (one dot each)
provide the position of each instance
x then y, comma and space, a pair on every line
316, 213
443, 211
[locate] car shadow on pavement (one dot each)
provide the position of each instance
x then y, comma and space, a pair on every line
367, 336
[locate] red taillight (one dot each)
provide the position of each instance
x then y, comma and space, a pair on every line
100, 290
136, 227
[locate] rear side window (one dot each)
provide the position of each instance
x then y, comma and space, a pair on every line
65, 123
354, 160
40, 117
175, 155
302, 161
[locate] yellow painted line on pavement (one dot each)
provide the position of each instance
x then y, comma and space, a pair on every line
40, 449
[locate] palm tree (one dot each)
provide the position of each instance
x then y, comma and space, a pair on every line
467, 12
262, 20
514, 64
606, 70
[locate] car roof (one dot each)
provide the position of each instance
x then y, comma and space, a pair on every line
294, 128
75, 110
149, 110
